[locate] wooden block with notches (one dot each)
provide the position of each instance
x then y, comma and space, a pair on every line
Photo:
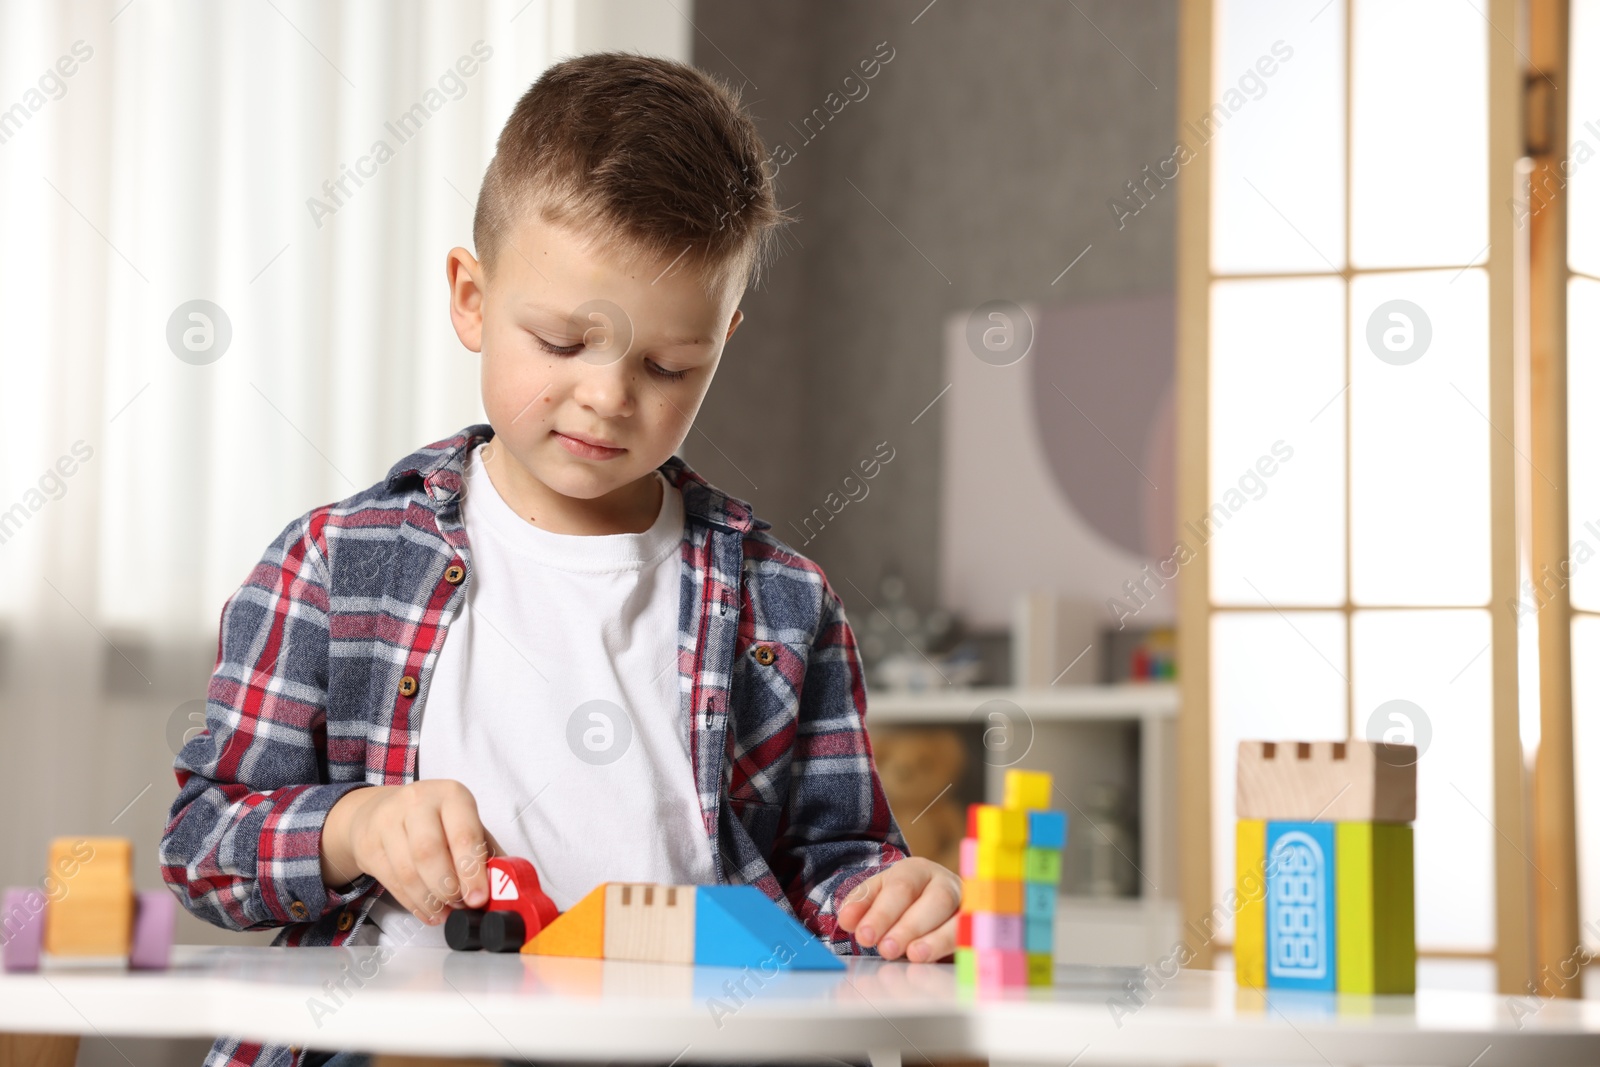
1326, 781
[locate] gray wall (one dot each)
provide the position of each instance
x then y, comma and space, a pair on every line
992, 141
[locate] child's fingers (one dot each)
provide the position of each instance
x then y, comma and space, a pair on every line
894, 896
402, 879
857, 901
935, 946
939, 900
430, 854
470, 847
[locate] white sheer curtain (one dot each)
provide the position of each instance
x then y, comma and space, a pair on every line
155, 153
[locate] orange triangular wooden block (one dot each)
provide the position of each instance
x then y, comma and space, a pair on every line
578, 931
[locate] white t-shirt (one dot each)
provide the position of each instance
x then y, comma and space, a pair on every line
556, 701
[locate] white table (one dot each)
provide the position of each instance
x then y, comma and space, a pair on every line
435, 1002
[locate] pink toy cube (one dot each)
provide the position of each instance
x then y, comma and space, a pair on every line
993, 931
969, 857
1002, 967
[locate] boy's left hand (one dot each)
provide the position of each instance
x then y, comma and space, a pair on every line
909, 908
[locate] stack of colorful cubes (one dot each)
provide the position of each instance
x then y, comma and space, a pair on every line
1010, 867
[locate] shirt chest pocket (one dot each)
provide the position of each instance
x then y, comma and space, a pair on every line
769, 676
760, 821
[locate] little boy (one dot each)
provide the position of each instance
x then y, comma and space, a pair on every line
548, 637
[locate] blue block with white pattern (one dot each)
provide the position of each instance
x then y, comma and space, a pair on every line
1301, 950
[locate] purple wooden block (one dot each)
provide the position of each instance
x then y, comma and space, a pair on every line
990, 930
153, 923
22, 928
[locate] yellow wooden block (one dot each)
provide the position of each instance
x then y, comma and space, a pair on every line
1000, 862
578, 931
1250, 918
1027, 789
94, 915
1002, 827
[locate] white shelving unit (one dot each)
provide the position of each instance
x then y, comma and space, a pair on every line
1125, 734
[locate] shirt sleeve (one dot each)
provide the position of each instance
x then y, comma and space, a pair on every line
840, 830
242, 845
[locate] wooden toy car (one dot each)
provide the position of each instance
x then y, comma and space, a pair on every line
518, 909
86, 912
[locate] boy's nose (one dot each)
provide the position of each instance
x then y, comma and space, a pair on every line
605, 389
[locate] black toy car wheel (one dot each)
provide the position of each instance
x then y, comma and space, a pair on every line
463, 930
502, 931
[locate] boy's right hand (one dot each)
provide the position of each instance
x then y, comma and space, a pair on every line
423, 841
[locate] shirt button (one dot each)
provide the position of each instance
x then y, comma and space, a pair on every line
299, 910
765, 656
408, 686
455, 573
346, 921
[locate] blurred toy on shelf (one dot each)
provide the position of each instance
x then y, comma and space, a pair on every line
1139, 654
905, 649
86, 912
917, 766
1010, 869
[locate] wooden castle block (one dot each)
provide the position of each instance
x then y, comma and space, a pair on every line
1326, 781
649, 922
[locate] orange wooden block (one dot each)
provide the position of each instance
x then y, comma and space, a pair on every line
94, 913
578, 931
1002, 896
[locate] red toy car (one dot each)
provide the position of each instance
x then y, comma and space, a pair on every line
518, 909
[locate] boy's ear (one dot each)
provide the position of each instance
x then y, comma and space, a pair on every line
738, 317
464, 275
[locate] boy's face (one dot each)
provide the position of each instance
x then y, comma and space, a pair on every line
583, 348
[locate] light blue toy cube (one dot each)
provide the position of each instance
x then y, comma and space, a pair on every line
1047, 829
1038, 900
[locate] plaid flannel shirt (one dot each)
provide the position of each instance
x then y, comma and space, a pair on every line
323, 664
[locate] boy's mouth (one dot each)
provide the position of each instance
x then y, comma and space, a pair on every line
587, 448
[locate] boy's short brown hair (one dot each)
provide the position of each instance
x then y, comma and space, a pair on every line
648, 154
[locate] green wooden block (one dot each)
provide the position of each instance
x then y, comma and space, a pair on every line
1041, 865
966, 966
1376, 908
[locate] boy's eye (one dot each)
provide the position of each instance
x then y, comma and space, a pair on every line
669, 375
558, 350
572, 350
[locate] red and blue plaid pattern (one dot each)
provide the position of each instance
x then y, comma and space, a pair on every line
307, 702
